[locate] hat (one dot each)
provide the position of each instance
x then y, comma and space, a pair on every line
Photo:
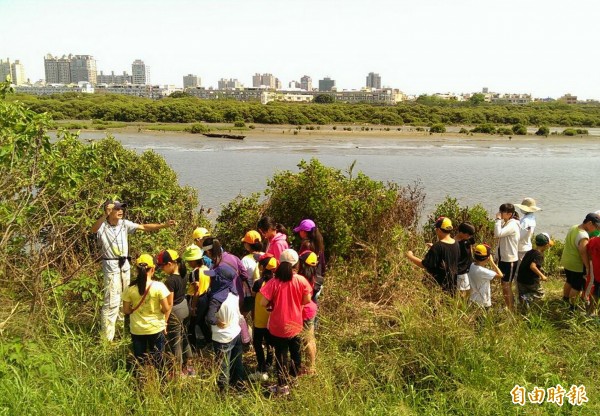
192, 252
251, 237
268, 261
166, 256
200, 232
482, 251
289, 256
117, 204
543, 239
145, 260
443, 223
305, 225
309, 257
528, 205
593, 217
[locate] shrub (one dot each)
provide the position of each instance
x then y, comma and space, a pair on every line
437, 128
239, 123
352, 211
463, 131
476, 215
519, 129
486, 128
198, 128
569, 132
543, 131
504, 131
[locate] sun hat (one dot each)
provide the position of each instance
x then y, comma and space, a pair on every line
288, 256
251, 237
145, 260
200, 232
309, 257
166, 256
192, 252
305, 225
443, 223
542, 239
528, 205
482, 251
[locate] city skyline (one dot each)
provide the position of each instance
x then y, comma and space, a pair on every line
432, 46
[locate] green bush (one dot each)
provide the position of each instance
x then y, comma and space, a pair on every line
504, 131
352, 211
437, 128
543, 131
569, 132
519, 129
198, 128
486, 128
476, 215
239, 123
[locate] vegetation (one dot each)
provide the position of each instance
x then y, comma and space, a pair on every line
437, 128
387, 343
426, 110
543, 131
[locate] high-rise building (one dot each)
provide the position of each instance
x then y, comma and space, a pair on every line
83, 69
58, 70
17, 71
265, 80
70, 69
373, 81
140, 73
191, 81
4, 69
229, 84
294, 85
326, 84
306, 83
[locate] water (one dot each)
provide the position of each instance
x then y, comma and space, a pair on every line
562, 175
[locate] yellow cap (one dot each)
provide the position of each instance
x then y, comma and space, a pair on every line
251, 237
145, 259
200, 232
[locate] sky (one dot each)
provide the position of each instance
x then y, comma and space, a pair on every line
543, 47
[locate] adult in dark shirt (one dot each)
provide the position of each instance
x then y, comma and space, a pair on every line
441, 261
177, 321
530, 270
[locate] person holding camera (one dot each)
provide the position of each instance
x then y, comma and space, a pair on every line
112, 231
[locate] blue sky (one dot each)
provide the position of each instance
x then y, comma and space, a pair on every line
546, 48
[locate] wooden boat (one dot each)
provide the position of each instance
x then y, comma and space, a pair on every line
224, 136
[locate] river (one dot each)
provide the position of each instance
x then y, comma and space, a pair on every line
563, 175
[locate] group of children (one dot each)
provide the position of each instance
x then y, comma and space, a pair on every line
274, 287
459, 265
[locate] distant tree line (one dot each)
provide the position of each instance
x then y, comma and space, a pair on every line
425, 111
